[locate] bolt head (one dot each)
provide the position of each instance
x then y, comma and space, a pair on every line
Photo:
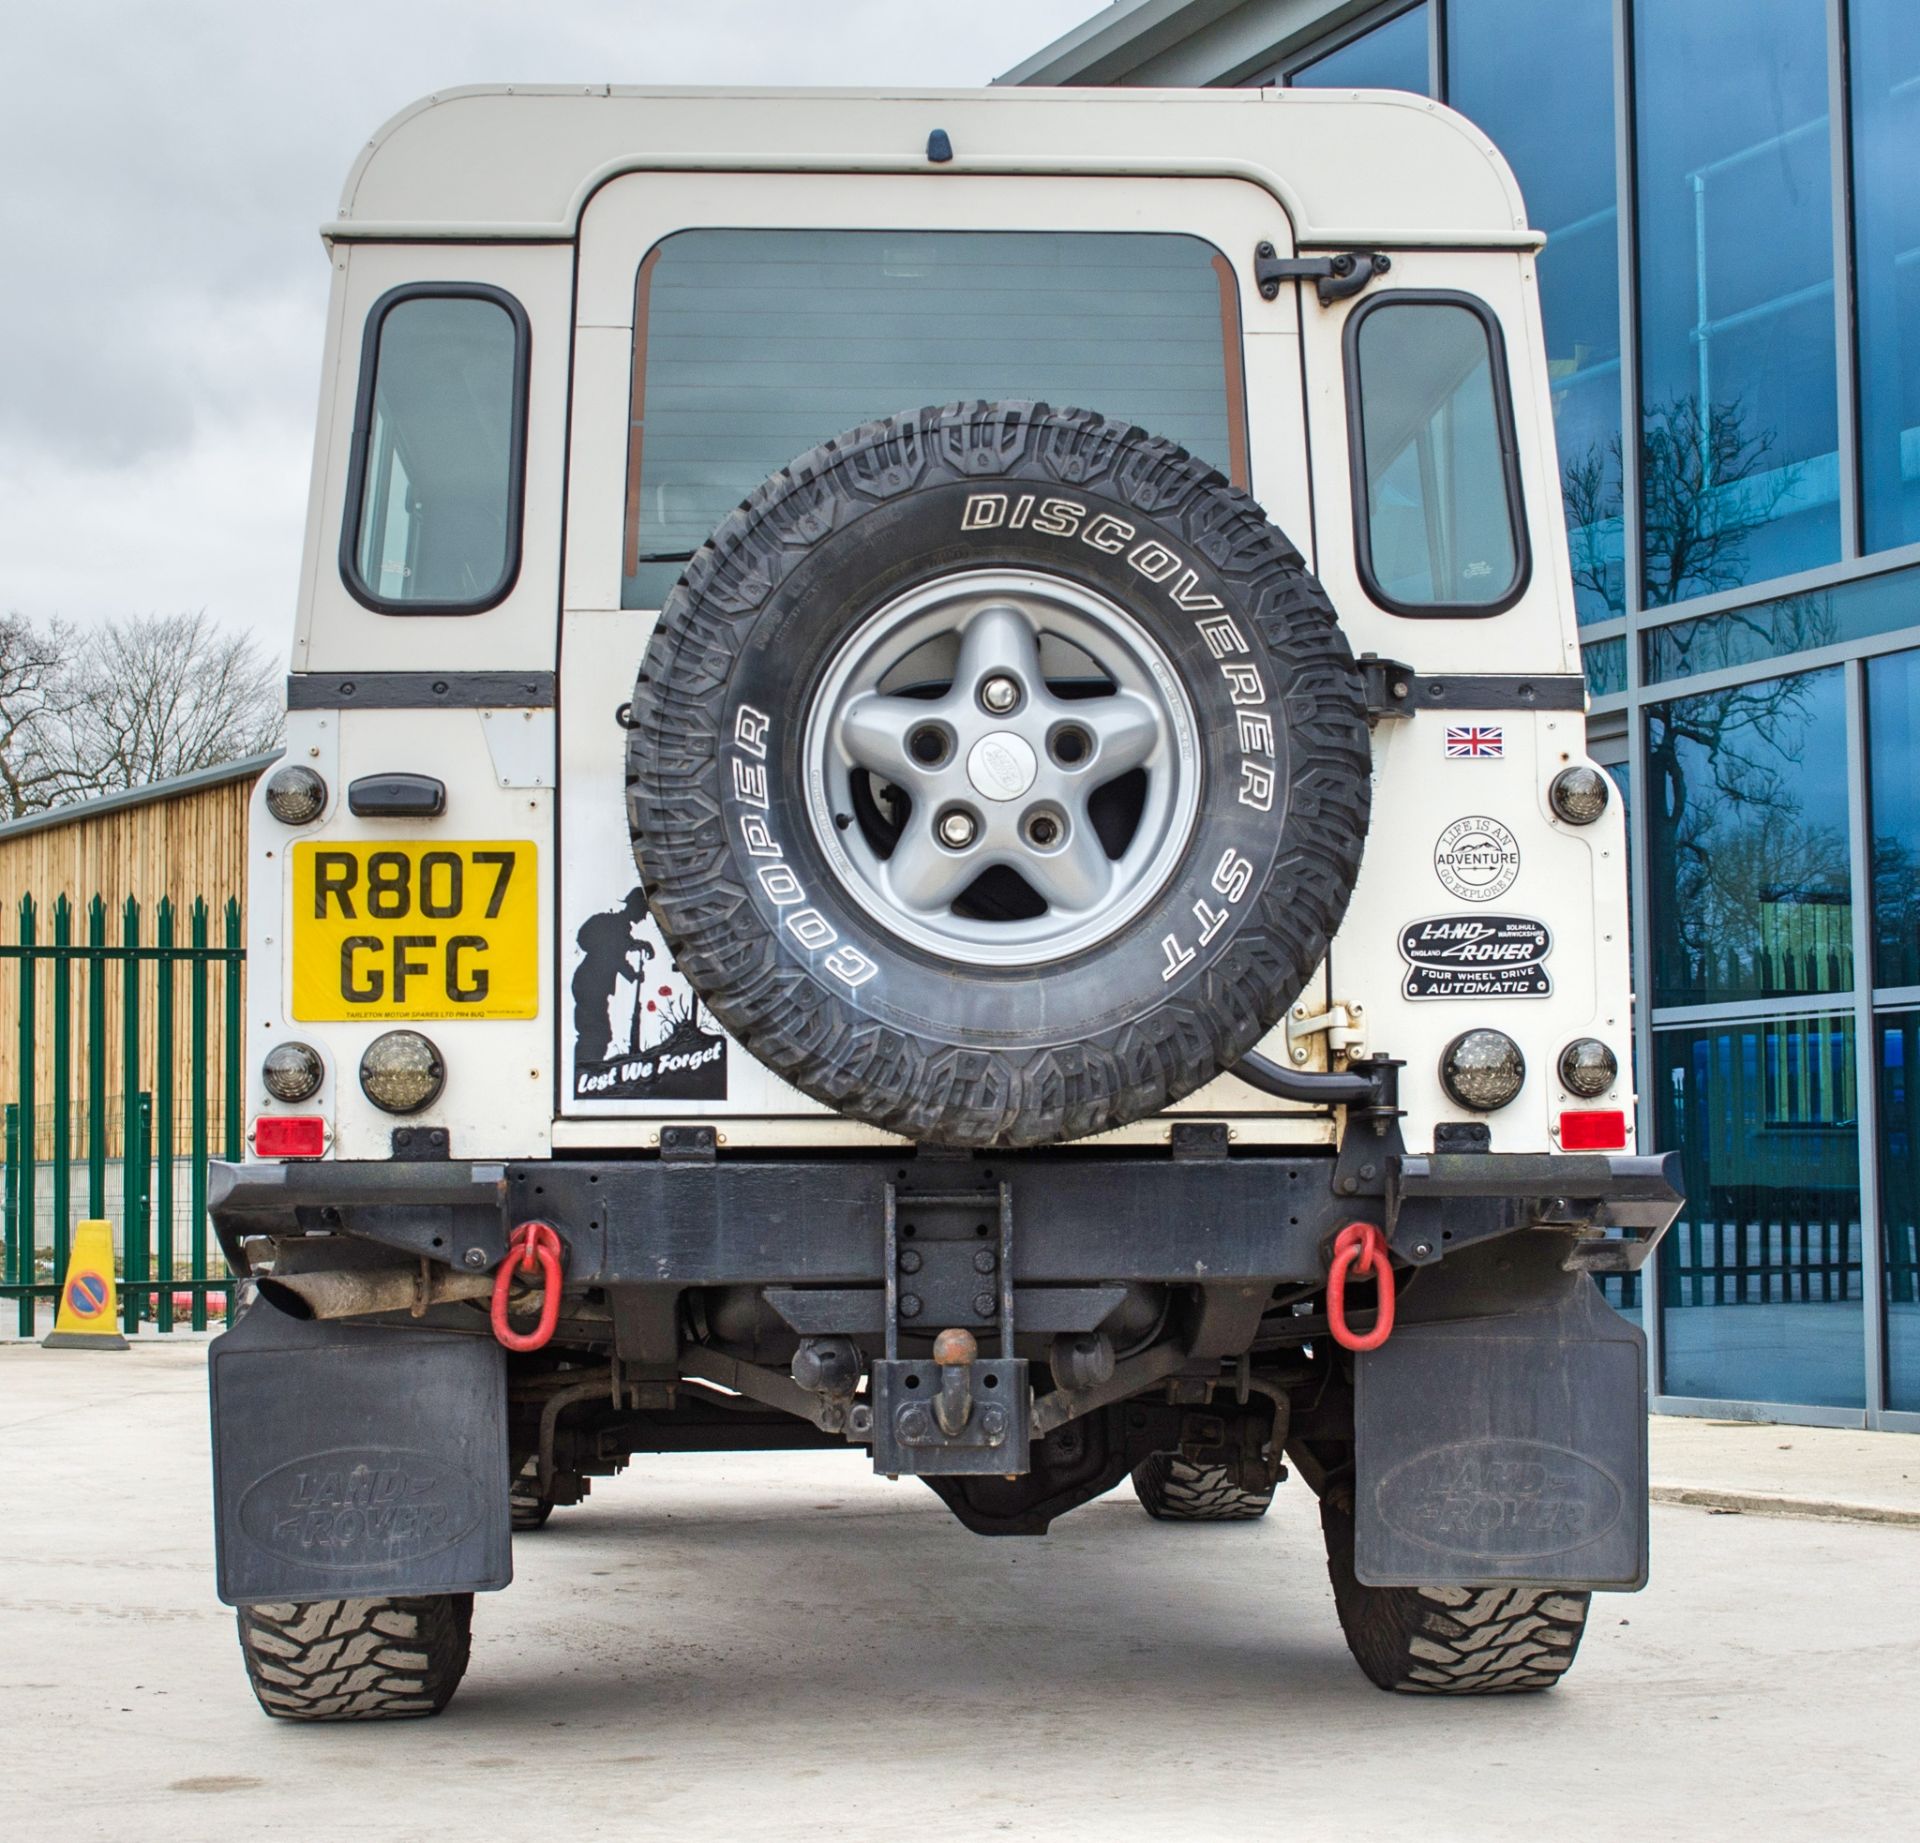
983, 1260
910, 1305
999, 695
910, 1259
957, 830
1421, 1249
475, 1257
993, 1423
983, 1305
914, 1425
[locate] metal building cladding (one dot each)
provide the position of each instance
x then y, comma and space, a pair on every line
1731, 294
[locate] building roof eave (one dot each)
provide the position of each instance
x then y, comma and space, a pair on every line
246, 768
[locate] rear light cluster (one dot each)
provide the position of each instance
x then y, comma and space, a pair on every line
1593, 1129
289, 1135
296, 795
402, 1072
1483, 1070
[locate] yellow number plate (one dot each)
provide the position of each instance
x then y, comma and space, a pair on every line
441, 930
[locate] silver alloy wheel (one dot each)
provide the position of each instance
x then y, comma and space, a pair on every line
917, 701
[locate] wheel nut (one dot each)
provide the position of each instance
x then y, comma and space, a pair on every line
999, 695
1043, 830
956, 829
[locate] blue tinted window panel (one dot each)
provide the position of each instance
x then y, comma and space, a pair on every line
1539, 80
1884, 37
1893, 767
1747, 842
1393, 56
1899, 1060
1789, 624
1761, 1276
1739, 419
1606, 667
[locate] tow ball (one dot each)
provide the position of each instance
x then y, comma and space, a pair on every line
959, 1413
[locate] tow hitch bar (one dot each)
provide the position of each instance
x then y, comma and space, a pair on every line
958, 1412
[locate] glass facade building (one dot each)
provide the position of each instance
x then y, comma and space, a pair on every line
1731, 295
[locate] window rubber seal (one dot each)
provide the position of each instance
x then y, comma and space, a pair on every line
354, 510
1509, 457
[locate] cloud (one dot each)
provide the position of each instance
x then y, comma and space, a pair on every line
166, 172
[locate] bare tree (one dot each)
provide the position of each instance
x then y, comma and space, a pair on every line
34, 700
1706, 485
163, 696
92, 711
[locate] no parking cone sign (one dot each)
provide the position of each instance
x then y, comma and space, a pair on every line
88, 1300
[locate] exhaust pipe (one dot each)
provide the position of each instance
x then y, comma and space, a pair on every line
356, 1293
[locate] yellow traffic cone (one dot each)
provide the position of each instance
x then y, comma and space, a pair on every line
89, 1301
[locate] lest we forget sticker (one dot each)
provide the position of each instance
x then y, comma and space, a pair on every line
639, 1032
1477, 956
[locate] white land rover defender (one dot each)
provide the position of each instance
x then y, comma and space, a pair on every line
936, 802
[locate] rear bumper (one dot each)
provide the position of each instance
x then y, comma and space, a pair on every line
1079, 1216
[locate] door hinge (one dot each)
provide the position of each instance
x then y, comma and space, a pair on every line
1341, 1025
1342, 274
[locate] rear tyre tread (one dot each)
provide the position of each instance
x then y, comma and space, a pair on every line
527, 1509
1176, 1490
357, 1660
1451, 1641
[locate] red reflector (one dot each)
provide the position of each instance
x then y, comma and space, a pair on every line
1588, 1131
279, 1135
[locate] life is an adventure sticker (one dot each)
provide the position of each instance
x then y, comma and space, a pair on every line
1477, 859
1477, 956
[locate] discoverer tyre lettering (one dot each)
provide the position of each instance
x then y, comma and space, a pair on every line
941, 1024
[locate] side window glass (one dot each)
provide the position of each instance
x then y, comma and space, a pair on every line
1437, 512
434, 488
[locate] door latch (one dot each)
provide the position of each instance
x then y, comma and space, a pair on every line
1341, 1025
1342, 274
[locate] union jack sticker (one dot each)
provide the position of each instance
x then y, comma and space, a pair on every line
1475, 741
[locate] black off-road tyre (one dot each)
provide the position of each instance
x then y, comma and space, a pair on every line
768, 931
357, 1660
1451, 1641
527, 1508
1175, 1490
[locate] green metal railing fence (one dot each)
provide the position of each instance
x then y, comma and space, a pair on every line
164, 1249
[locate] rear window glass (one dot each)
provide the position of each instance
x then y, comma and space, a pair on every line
751, 346
1438, 505
434, 494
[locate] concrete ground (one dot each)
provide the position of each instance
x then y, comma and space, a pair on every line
727, 1648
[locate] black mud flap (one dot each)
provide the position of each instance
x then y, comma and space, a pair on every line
354, 1461
1501, 1431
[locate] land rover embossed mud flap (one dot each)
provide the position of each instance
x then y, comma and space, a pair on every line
1501, 1432
351, 1461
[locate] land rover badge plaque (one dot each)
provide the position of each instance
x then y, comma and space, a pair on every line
1477, 956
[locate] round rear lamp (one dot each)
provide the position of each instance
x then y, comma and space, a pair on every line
296, 796
402, 1072
1587, 1068
1578, 795
1483, 1069
292, 1072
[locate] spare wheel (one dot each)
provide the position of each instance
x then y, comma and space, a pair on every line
998, 774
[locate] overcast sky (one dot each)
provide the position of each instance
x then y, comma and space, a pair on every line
163, 170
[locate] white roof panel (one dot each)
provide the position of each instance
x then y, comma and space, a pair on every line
1350, 166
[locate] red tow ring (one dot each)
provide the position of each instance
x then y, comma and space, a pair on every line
533, 1247
1359, 1245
